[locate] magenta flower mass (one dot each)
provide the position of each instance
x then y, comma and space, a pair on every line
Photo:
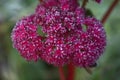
69, 35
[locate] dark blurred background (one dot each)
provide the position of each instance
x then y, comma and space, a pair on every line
14, 67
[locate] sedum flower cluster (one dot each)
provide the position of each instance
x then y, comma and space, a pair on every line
68, 35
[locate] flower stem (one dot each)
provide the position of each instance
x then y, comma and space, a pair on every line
40, 0
71, 72
61, 73
108, 12
84, 3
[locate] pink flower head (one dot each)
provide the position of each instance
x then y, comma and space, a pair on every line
63, 4
55, 19
70, 37
90, 43
58, 48
68, 4
26, 40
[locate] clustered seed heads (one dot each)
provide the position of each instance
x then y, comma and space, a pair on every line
69, 36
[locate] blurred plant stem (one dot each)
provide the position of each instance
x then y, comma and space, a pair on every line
40, 0
84, 3
109, 11
61, 73
3, 56
71, 72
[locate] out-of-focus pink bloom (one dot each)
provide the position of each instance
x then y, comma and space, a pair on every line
98, 1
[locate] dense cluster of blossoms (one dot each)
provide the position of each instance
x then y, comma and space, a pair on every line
69, 35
